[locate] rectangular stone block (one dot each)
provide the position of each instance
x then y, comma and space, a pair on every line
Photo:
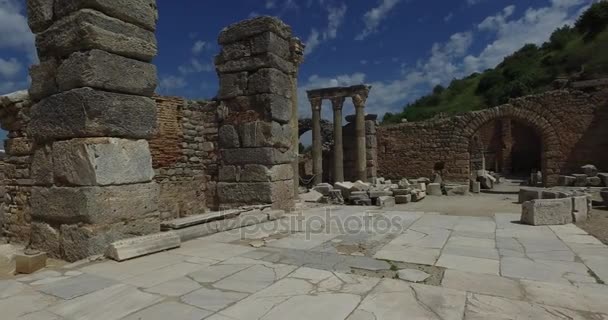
269, 81
136, 247
252, 27
542, 212
102, 70
85, 112
253, 63
604, 178
434, 189
265, 134
386, 202
41, 170
528, 194
199, 219
566, 181
279, 193
143, 13
265, 156
101, 162
232, 85
43, 79
20, 146
594, 182
403, 199
27, 264
39, 14
261, 173
278, 108
580, 208
89, 29
95, 205
581, 180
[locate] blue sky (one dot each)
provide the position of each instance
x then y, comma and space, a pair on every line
401, 47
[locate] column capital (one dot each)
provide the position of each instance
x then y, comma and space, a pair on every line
316, 103
337, 102
359, 100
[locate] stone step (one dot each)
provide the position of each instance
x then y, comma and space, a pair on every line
140, 246
185, 222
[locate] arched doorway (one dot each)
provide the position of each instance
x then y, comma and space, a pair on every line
305, 149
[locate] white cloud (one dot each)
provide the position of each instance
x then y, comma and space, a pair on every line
194, 66
198, 47
14, 30
335, 18
449, 17
374, 17
172, 82
9, 68
473, 2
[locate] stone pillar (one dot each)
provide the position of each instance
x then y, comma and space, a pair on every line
256, 71
297, 56
337, 104
507, 147
371, 145
361, 163
91, 165
317, 141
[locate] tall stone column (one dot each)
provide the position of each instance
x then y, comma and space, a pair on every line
91, 165
361, 163
256, 71
337, 104
317, 141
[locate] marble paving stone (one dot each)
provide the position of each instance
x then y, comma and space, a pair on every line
506, 220
463, 263
302, 241
567, 229
39, 276
215, 273
584, 298
257, 254
412, 275
213, 250
436, 221
9, 288
394, 299
212, 299
486, 253
347, 283
170, 310
422, 237
476, 224
405, 254
542, 245
111, 303
560, 255
311, 275
76, 286
329, 306
483, 307
599, 265
482, 283
511, 253
158, 276
254, 278
47, 281
175, 288
527, 232
19, 305
540, 270
127, 269
474, 234
471, 242
40, 315
580, 239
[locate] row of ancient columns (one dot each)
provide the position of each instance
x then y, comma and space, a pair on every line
338, 158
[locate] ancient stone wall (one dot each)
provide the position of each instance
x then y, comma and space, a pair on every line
570, 124
184, 156
350, 151
15, 178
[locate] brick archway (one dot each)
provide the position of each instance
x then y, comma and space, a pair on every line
550, 153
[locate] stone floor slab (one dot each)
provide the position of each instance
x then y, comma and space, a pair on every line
482, 283
158, 276
255, 278
412, 254
485, 253
584, 298
215, 273
22, 304
471, 264
170, 310
175, 288
212, 299
111, 303
76, 286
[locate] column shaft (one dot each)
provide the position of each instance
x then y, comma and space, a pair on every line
337, 104
317, 143
361, 163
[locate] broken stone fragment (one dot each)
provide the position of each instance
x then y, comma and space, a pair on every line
386, 201
590, 170
85, 112
412, 275
39, 14
312, 196
604, 178
323, 188
403, 199
135, 247
434, 189
102, 70
581, 180
457, 190
580, 208
89, 29
594, 182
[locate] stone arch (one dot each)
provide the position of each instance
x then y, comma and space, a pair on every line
550, 154
327, 131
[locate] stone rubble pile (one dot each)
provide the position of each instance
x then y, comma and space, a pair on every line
589, 177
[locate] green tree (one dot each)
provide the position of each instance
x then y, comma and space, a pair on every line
594, 20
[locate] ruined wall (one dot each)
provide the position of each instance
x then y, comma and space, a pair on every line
184, 156
570, 123
15, 177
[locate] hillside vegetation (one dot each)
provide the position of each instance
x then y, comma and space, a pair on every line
579, 51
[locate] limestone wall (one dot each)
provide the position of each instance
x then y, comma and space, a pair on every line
184, 156
570, 123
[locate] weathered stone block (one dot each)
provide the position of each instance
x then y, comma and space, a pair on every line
345, 187
386, 201
566, 180
229, 174
234, 51
253, 63
402, 192
278, 108
102, 70
261, 173
403, 199
457, 190
39, 14
185, 222
266, 156
248, 28
86, 112
101, 162
528, 194
43, 79
604, 195
311, 196
547, 212
265, 134
143, 13
45, 238
136, 247
604, 178
41, 171
20, 146
27, 264
590, 170
418, 195
594, 181
89, 29
475, 186
81, 241
228, 137
270, 81
581, 180
95, 205
279, 193
232, 85
434, 189
323, 188
580, 208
